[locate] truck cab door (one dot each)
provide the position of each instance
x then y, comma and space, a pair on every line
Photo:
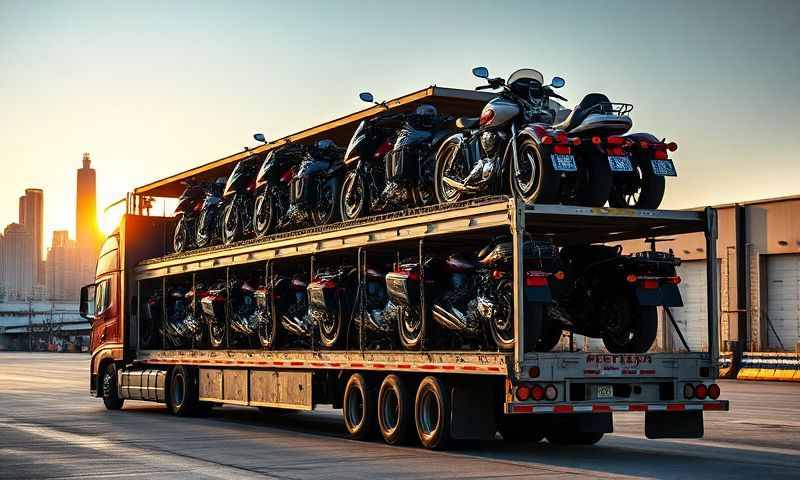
105, 322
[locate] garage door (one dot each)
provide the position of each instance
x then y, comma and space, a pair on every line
692, 318
783, 300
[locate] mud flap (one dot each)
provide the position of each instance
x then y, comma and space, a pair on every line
580, 422
469, 402
673, 424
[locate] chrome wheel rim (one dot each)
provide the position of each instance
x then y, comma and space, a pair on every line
353, 195
448, 192
263, 214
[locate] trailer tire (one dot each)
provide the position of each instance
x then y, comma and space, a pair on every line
574, 438
432, 414
358, 407
182, 395
394, 410
109, 388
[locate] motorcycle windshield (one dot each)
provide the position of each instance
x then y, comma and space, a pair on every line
526, 73
269, 164
233, 179
358, 135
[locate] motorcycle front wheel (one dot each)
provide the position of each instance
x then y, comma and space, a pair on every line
264, 215
268, 331
353, 198
537, 181
180, 238
629, 328
231, 224
639, 189
330, 328
449, 164
326, 208
204, 233
216, 334
411, 328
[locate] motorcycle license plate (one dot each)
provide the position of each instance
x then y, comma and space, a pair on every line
563, 163
664, 168
605, 391
620, 163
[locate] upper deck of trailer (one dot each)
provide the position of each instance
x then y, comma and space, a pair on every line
567, 224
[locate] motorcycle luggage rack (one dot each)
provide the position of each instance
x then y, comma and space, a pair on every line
610, 108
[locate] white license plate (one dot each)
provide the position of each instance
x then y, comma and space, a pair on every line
620, 163
664, 168
605, 391
563, 163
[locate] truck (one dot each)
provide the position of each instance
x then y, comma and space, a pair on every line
435, 395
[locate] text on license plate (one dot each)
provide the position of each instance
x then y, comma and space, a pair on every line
620, 163
605, 391
664, 168
563, 163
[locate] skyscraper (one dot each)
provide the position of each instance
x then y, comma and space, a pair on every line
63, 267
87, 231
32, 218
17, 257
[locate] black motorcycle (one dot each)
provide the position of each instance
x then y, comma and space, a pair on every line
238, 197
615, 297
314, 189
244, 317
273, 186
391, 159
376, 315
287, 298
213, 313
190, 204
208, 230
513, 147
330, 303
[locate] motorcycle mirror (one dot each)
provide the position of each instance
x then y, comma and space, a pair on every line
481, 72
260, 137
557, 82
366, 97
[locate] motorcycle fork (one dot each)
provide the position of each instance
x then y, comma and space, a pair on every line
514, 154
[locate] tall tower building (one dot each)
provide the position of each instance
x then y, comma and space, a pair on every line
19, 273
32, 218
87, 232
63, 281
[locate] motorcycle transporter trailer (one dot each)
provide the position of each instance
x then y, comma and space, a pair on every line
568, 396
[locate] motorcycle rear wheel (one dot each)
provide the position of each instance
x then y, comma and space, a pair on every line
264, 215
353, 198
635, 330
502, 323
644, 190
448, 162
593, 185
330, 328
326, 208
551, 335
537, 182
202, 237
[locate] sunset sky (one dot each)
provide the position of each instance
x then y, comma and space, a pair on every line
154, 88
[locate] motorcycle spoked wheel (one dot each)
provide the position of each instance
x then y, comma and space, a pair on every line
268, 332
326, 208
264, 215
231, 224
501, 324
639, 189
354, 198
216, 334
180, 238
537, 182
449, 163
411, 328
629, 328
330, 327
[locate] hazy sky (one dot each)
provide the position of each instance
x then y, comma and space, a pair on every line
153, 88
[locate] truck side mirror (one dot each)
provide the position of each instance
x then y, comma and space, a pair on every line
87, 302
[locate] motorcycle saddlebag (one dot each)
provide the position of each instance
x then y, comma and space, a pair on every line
402, 289
400, 164
322, 295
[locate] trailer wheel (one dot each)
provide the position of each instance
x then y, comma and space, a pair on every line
110, 394
182, 396
432, 414
394, 410
358, 407
574, 438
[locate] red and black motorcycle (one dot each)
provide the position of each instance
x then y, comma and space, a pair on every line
273, 183
190, 203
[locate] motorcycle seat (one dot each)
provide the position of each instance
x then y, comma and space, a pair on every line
581, 111
467, 122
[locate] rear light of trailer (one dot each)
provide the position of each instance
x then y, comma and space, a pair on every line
700, 391
537, 392
523, 393
550, 392
713, 391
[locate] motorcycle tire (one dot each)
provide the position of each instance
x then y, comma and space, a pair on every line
551, 335
411, 328
264, 215
216, 334
326, 208
448, 154
231, 224
268, 333
640, 333
180, 238
331, 335
501, 325
353, 197
593, 186
538, 182
203, 238
647, 192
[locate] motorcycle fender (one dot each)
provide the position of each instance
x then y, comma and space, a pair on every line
538, 294
534, 133
671, 296
649, 297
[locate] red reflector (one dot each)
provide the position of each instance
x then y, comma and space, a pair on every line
631, 278
597, 140
700, 391
650, 283
615, 140
523, 393
561, 150
562, 409
535, 279
537, 392
561, 137
660, 155
547, 140
713, 391
673, 280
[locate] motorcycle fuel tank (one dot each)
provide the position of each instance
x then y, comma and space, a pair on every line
503, 111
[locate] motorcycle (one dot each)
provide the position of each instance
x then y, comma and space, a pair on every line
290, 299
190, 203
330, 304
638, 162
391, 158
207, 230
615, 297
244, 315
272, 186
213, 314
376, 313
238, 197
181, 322
314, 189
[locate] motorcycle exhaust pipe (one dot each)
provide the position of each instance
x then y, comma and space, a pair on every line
458, 185
294, 326
447, 319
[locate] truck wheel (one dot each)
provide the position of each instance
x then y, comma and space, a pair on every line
574, 438
630, 328
358, 407
432, 414
519, 429
182, 396
394, 410
110, 394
